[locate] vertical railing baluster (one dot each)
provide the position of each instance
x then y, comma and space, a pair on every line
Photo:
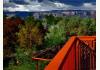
93, 61
76, 56
79, 57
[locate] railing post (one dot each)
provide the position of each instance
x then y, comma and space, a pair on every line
37, 65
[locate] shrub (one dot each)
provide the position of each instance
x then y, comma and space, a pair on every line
23, 60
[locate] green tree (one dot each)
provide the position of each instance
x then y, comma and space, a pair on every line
92, 27
87, 26
56, 35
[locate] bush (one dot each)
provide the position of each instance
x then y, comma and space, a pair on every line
23, 60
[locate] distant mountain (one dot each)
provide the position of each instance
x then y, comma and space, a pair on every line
41, 14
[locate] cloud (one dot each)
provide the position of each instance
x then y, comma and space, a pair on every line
48, 6
17, 8
38, 7
5, 1
28, 1
89, 6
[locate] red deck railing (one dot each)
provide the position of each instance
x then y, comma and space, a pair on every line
37, 62
77, 54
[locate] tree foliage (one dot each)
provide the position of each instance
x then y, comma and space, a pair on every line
56, 35
10, 27
29, 34
40, 33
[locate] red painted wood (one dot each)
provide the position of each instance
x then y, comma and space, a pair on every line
68, 58
41, 59
69, 63
58, 59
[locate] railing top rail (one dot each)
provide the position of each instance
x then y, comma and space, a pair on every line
92, 38
41, 59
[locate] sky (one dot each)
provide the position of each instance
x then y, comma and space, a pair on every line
47, 5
